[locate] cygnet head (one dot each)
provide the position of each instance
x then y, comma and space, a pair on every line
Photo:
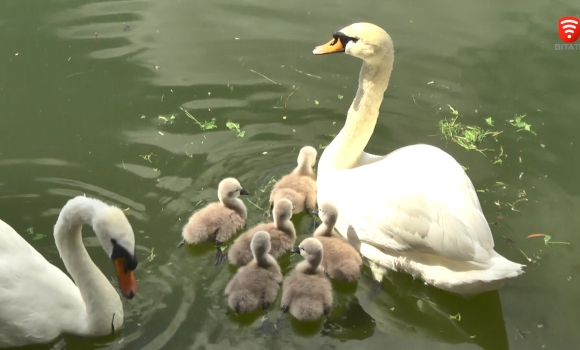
229, 189
311, 251
328, 213
307, 156
260, 244
283, 210
363, 40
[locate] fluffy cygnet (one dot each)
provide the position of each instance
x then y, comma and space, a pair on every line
256, 284
218, 221
307, 292
300, 185
282, 235
341, 261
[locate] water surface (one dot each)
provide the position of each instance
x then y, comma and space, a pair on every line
87, 94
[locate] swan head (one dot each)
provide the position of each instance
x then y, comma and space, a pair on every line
307, 155
366, 41
283, 210
260, 244
328, 213
230, 189
311, 251
118, 240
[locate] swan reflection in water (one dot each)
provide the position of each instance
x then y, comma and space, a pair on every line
405, 306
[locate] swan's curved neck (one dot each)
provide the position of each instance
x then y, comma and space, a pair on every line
304, 168
347, 147
238, 206
324, 230
285, 226
265, 260
309, 267
99, 296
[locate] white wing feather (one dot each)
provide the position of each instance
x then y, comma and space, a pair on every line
31, 289
393, 204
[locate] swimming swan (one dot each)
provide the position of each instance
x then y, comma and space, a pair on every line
307, 292
341, 261
299, 186
282, 236
255, 285
415, 209
39, 302
219, 221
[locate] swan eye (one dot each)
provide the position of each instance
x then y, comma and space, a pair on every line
344, 39
120, 252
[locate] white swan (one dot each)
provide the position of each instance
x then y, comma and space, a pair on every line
38, 302
415, 209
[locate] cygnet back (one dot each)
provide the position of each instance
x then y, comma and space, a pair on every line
282, 236
299, 186
307, 292
218, 221
256, 284
341, 261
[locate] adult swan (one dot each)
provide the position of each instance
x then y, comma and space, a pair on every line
415, 209
38, 302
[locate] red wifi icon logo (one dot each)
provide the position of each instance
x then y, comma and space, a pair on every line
569, 29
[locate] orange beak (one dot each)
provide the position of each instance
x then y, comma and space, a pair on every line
126, 279
333, 46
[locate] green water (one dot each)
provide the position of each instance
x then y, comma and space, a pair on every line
79, 113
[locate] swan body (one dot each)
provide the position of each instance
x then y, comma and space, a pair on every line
341, 261
219, 221
415, 209
39, 302
307, 292
256, 284
282, 236
300, 185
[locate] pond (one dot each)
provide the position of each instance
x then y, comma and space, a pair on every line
92, 100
